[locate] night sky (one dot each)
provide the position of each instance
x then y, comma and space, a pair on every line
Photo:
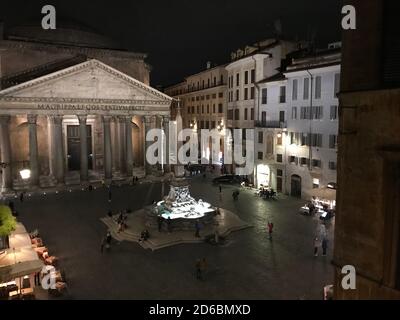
180, 36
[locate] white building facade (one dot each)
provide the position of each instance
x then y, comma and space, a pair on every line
296, 136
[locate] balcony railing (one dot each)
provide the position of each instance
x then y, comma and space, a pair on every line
271, 124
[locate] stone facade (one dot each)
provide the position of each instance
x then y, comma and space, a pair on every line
367, 233
64, 114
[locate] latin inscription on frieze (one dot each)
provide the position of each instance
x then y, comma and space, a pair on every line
87, 107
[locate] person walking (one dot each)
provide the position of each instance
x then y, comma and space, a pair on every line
21, 197
169, 224
103, 243
198, 269
159, 222
316, 245
220, 189
324, 246
270, 229
197, 227
108, 240
109, 194
203, 267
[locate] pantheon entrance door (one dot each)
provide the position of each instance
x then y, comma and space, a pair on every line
74, 148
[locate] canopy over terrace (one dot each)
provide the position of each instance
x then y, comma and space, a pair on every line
89, 118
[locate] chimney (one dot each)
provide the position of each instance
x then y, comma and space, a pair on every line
208, 64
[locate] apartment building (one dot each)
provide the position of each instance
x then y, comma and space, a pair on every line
203, 101
296, 136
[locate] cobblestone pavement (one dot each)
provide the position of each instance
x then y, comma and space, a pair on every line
247, 266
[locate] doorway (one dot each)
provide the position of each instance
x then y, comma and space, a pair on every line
295, 189
74, 149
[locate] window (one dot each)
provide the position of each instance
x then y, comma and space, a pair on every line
306, 88
315, 183
202, 109
304, 113
252, 114
292, 159
192, 109
318, 87
214, 95
214, 108
260, 137
279, 172
333, 113
279, 139
316, 163
282, 95
245, 114
332, 165
237, 114
208, 108
246, 77
253, 75
263, 117
201, 124
294, 89
237, 95
303, 139
278, 158
336, 87
316, 140
220, 95
198, 109
215, 81
237, 79
246, 94
304, 161
221, 79
230, 114
188, 110
260, 156
208, 83
264, 95
252, 93
317, 112
294, 113
332, 141
220, 109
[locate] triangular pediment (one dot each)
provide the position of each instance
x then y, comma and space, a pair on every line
90, 80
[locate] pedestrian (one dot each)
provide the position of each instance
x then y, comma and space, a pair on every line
270, 228
21, 197
109, 213
324, 246
197, 227
198, 269
316, 245
108, 239
109, 194
203, 267
220, 189
159, 222
133, 180
103, 243
37, 278
169, 224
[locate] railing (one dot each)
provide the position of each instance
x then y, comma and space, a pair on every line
41, 70
271, 124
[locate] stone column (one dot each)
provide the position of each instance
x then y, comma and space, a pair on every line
84, 147
147, 127
59, 149
33, 150
5, 148
107, 155
129, 147
165, 124
122, 144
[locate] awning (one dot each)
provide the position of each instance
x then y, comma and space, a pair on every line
9, 273
324, 193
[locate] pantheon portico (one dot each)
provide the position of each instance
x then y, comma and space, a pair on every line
83, 123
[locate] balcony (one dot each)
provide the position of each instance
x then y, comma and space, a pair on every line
275, 124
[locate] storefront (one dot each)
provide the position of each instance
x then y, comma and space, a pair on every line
263, 174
